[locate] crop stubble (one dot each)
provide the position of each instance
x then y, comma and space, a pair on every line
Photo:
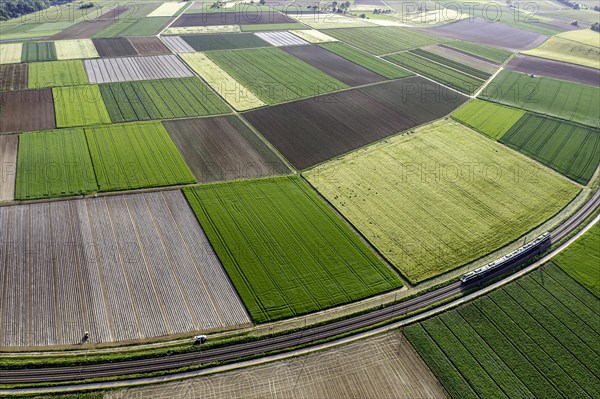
13, 77
8, 165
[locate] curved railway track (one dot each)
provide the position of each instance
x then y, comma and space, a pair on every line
285, 341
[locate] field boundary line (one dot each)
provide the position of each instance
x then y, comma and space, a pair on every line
176, 18
315, 348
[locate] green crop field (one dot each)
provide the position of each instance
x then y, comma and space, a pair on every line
445, 75
54, 164
274, 75
538, 337
377, 65
160, 99
581, 260
56, 73
559, 98
285, 251
384, 40
135, 155
38, 51
571, 149
79, 106
469, 70
491, 119
560, 49
454, 196
486, 52
134, 22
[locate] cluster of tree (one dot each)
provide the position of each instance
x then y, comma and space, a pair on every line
15, 8
340, 8
382, 11
595, 27
596, 8
217, 4
83, 6
570, 3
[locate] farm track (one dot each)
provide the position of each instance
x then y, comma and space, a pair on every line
281, 342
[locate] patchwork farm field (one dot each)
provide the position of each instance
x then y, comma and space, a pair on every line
87, 29
557, 48
8, 154
451, 77
461, 59
562, 99
160, 99
234, 92
273, 75
223, 42
114, 47
135, 155
384, 40
555, 69
334, 65
571, 149
125, 69
223, 148
483, 32
319, 261
488, 53
488, 118
79, 106
27, 110
434, 213
148, 45
374, 64
126, 286
580, 260
13, 77
56, 73
54, 164
537, 337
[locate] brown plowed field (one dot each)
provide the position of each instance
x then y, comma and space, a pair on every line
381, 367
555, 69
8, 166
223, 148
463, 58
334, 65
114, 47
88, 28
233, 18
26, 110
311, 131
13, 77
149, 45
494, 34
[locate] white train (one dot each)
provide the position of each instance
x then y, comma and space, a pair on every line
536, 244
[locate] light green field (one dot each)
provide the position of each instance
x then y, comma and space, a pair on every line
56, 73
54, 164
491, 119
75, 49
135, 155
582, 259
560, 49
440, 197
585, 36
79, 106
285, 251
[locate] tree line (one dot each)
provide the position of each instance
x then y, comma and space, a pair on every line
15, 8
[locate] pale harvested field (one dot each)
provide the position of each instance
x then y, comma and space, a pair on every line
8, 166
126, 69
314, 36
191, 30
10, 53
385, 366
223, 83
167, 9
75, 49
123, 267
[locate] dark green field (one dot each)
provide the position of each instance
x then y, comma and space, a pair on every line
160, 99
285, 251
573, 150
38, 51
